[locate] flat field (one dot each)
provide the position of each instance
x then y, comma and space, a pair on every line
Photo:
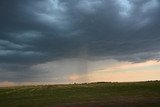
103, 94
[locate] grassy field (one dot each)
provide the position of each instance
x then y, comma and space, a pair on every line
138, 94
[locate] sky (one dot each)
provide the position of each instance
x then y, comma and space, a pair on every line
68, 41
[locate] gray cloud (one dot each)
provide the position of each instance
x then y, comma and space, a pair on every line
39, 31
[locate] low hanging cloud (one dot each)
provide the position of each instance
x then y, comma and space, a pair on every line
40, 31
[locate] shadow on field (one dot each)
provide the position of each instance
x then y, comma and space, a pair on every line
128, 102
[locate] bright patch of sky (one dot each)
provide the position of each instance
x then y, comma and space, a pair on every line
52, 12
152, 4
102, 70
88, 6
125, 7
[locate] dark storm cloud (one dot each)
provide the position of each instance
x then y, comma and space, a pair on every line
37, 31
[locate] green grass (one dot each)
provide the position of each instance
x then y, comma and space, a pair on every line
138, 94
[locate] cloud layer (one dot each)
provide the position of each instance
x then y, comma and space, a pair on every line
41, 31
